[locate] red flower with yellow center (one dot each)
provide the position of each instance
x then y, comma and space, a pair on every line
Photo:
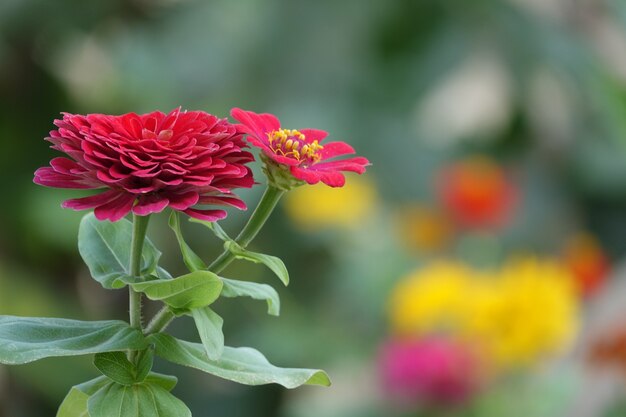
148, 162
300, 151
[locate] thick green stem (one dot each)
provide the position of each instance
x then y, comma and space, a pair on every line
140, 226
160, 321
261, 213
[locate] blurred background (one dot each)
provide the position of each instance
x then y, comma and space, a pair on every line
475, 270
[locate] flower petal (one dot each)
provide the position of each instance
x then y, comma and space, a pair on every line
148, 204
223, 201
357, 165
91, 201
184, 201
206, 215
257, 124
313, 134
333, 149
310, 176
115, 209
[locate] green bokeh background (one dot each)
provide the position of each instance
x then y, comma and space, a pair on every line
364, 70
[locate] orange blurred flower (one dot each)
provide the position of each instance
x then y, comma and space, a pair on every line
423, 229
477, 192
587, 262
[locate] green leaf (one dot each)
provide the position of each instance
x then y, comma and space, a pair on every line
144, 364
163, 274
234, 288
243, 365
191, 259
215, 228
209, 326
105, 248
116, 366
167, 382
75, 402
272, 262
139, 400
194, 290
27, 339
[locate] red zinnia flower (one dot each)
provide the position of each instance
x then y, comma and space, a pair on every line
149, 162
299, 150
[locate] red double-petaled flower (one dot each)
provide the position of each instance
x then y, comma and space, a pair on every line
144, 163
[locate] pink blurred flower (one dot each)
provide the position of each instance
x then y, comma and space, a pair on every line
149, 162
434, 371
299, 150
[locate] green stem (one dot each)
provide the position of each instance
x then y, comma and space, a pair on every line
268, 202
140, 226
261, 213
160, 321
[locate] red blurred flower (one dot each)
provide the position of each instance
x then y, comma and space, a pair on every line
299, 150
149, 162
435, 371
588, 263
477, 193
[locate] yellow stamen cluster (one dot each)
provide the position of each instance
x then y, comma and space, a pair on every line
288, 142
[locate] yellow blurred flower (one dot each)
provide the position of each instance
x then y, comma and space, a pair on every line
520, 313
319, 206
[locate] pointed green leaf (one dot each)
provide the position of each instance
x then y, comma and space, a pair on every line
209, 326
243, 365
139, 400
215, 228
235, 288
105, 248
194, 290
116, 366
75, 402
144, 364
163, 274
27, 339
191, 259
272, 262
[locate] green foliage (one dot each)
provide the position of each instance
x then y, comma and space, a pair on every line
191, 259
243, 365
209, 325
194, 290
27, 339
214, 227
235, 288
272, 262
75, 402
138, 400
105, 248
117, 367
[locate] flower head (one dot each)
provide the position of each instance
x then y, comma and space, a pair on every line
432, 370
477, 192
588, 263
299, 153
522, 312
149, 162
